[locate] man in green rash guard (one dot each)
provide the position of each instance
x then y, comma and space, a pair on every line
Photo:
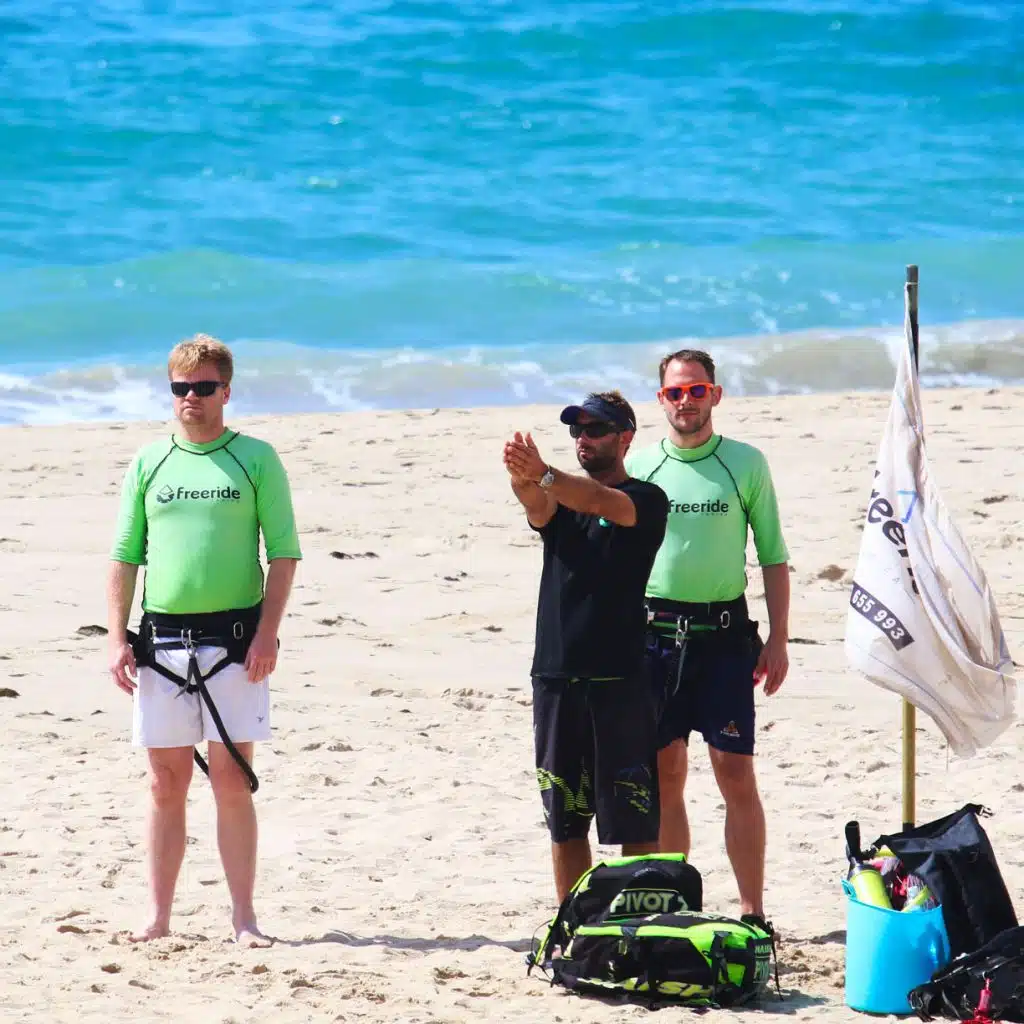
704, 656
193, 507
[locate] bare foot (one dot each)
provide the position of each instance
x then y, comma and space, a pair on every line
156, 930
250, 937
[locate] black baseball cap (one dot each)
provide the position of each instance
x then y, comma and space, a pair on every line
600, 410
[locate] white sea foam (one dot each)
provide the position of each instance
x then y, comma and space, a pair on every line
280, 377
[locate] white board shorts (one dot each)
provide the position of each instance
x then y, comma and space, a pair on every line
164, 715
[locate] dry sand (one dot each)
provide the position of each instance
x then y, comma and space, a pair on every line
404, 865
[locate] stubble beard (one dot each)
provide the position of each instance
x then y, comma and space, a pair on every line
597, 463
687, 425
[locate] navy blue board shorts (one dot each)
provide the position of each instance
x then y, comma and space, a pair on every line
713, 693
596, 745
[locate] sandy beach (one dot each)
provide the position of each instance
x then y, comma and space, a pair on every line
404, 865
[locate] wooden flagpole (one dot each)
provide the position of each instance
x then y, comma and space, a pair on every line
909, 711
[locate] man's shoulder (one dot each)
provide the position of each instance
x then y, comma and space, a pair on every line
152, 452
742, 452
645, 459
253, 449
250, 442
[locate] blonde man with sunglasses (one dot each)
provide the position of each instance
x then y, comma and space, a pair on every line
193, 507
704, 654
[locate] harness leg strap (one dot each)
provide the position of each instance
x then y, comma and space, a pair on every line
195, 682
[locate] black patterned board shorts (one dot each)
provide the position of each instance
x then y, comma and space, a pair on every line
596, 744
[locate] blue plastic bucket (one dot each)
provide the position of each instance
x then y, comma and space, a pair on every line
888, 953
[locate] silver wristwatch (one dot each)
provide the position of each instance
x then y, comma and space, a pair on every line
548, 478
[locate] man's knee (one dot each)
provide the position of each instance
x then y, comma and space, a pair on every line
638, 849
672, 762
228, 781
169, 777
735, 775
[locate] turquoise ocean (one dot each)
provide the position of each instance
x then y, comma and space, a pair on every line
385, 204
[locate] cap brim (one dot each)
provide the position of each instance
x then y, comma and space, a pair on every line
570, 414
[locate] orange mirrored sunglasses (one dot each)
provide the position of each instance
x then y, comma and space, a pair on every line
695, 391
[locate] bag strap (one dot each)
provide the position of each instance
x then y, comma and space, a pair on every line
556, 929
720, 985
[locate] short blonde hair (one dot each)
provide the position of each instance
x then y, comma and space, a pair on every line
188, 355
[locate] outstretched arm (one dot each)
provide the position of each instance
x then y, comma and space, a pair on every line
580, 493
540, 504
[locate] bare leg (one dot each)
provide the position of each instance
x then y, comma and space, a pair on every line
674, 834
170, 772
236, 838
570, 860
744, 826
638, 849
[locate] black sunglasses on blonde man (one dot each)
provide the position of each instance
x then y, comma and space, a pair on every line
202, 388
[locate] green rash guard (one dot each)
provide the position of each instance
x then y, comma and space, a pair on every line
714, 492
192, 514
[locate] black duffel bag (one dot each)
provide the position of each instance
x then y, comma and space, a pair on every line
954, 857
988, 983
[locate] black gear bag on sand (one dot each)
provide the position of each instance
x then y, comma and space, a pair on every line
687, 959
954, 857
621, 888
986, 983
633, 928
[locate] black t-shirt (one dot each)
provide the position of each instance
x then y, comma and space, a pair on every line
590, 612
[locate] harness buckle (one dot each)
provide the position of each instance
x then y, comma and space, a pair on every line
682, 628
725, 618
238, 630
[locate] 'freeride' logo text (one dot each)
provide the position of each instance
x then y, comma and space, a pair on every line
712, 508
168, 493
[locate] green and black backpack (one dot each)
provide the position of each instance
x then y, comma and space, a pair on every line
635, 927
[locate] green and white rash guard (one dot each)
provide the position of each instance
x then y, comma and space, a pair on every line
193, 513
715, 492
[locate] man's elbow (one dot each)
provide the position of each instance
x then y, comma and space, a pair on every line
540, 515
620, 513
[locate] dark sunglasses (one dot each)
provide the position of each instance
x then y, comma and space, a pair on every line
697, 391
203, 388
592, 430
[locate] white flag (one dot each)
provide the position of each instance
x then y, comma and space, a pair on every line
922, 621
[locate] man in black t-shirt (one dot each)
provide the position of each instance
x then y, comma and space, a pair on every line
594, 720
